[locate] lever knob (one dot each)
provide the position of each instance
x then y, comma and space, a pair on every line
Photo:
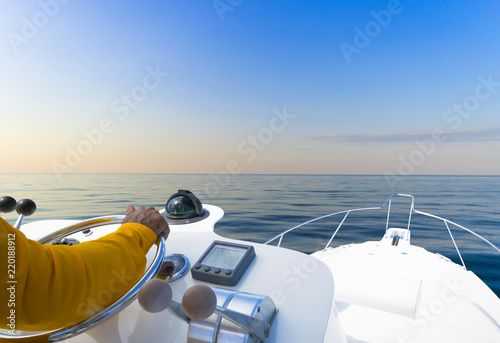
26, 207
155, 295
199, 302
7, 204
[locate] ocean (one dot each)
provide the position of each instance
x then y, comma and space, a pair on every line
258, 207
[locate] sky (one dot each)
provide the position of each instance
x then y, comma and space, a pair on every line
238, 86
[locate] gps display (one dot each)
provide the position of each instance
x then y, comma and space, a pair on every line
223, 263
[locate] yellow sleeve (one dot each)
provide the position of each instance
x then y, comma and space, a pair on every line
57, 285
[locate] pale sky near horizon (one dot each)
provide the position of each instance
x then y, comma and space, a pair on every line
342, 87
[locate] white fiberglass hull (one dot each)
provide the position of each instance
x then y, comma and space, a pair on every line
403, 293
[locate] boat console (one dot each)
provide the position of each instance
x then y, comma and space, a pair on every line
200, 287
260, 293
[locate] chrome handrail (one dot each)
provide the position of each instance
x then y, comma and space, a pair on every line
446, 221
335, 213
102, 316
387, 203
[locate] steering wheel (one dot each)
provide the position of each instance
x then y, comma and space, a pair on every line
102, 316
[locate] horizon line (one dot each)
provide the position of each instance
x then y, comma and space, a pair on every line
288, 174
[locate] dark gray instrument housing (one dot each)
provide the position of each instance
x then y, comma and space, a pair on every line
223, 263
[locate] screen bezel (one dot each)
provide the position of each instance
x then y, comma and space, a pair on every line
218, 274
224, 247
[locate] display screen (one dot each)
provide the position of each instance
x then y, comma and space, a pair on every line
223, 263
223, 256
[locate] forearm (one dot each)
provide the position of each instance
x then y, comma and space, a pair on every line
62, 285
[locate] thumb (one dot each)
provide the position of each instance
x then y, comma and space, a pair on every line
130, 208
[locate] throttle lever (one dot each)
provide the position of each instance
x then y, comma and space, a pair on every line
253, 326
7, 204
198, 303
156, 295
24, 208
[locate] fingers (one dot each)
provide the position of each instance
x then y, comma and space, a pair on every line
149, 217
130, 208
164, 232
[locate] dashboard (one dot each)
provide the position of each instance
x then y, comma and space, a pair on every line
300, 286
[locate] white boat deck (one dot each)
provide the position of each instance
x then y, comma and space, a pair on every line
403, 293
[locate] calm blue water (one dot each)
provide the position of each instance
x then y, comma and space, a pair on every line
257, 207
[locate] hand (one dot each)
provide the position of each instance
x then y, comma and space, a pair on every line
148, 217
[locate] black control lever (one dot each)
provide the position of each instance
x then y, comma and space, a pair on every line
7, 204
24, 208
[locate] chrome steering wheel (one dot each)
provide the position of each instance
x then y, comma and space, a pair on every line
102, 316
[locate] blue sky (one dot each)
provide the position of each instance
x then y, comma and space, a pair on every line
349, 87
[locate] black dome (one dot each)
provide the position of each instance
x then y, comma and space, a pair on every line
184, 205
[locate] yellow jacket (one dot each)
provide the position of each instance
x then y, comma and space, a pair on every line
45, 287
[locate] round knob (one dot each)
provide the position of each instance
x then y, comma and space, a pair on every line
26, 207
7, 204
155, 295
199, 302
